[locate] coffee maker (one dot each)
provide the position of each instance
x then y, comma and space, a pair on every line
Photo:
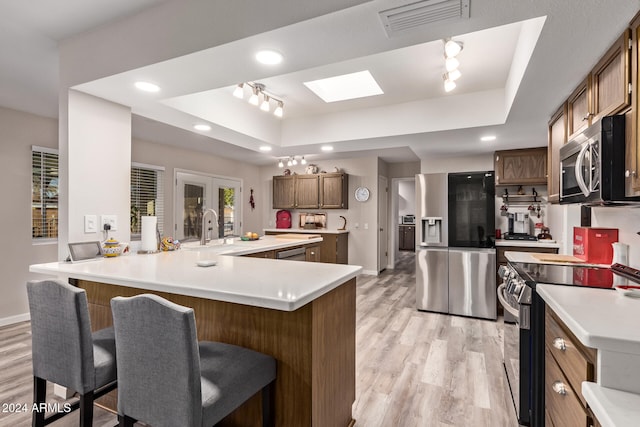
519, 227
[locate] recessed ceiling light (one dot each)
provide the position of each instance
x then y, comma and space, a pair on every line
344, 87
269, 57
202, 127
326, 148
147, 87
488, 138
265, 148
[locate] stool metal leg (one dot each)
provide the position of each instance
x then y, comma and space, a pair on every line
86, 409
125, 421
39, 396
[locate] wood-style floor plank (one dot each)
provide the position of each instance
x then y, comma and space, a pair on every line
413, 369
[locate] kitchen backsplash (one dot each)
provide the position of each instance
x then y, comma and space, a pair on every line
627, 221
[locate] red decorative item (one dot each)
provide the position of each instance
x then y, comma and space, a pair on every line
283, 219
251, 201
594, 244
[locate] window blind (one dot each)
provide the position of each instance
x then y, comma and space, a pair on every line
147, 196
44, 193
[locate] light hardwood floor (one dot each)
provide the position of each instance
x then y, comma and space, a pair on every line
412, 368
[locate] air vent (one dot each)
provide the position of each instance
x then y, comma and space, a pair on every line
400, 19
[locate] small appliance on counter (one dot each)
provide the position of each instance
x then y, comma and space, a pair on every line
312, 221
519, 227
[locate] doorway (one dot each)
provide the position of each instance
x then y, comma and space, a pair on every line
195, 192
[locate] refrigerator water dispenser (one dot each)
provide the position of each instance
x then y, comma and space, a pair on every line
431, 230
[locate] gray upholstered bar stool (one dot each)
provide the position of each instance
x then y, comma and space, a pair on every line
167, 378
64, 349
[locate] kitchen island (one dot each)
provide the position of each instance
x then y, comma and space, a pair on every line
301, 313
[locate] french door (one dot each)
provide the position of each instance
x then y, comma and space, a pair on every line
194, 193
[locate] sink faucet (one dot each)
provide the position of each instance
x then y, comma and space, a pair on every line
203, 235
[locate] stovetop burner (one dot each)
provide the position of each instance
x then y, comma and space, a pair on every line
567, 275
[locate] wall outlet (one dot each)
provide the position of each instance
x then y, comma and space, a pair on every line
90, 223
112, 220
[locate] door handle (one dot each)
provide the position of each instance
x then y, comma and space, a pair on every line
578, 168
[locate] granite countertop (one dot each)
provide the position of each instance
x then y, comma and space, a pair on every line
306, 230
267, 283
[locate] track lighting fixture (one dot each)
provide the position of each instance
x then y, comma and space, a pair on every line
451, 49
258, 90
292, 161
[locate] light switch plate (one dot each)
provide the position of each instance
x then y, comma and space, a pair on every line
112, 220
90, 223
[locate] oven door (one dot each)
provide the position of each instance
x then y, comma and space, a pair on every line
517, 354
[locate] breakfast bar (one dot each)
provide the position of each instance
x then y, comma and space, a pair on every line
301, 313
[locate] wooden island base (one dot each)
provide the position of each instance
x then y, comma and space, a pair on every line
314, 347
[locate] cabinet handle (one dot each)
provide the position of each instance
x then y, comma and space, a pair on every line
313, 253
629, 173
560, 344
587, 117
559, 388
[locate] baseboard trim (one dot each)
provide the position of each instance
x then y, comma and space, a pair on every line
5, 321
370, 272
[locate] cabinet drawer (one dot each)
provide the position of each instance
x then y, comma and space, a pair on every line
576, 360
561, 402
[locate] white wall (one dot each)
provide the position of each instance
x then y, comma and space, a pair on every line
172, 158
627, 221
406, 198
18, 132
361, 217
98, 165
482, 162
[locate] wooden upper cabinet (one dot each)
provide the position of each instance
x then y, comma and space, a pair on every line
521, 167
306, 191
311, 191
633, 143
611, 78
604, 91
578, 108
557, 138
284, 192
334, 189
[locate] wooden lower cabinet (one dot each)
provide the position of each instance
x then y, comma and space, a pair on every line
265, 254
334, 248
312, 253
407, 238
567, 364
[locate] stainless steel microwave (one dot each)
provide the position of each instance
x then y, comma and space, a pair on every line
408, 219
592, 165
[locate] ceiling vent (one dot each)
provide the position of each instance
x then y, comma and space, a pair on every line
400, 19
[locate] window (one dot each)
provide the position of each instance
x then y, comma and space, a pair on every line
44, 193
147, 195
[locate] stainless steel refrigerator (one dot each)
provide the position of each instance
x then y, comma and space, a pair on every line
455, 252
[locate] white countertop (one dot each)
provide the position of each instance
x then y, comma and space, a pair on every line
305, 230
606, 320
269, 283
612, 408
528, 243
599, 318
527, 257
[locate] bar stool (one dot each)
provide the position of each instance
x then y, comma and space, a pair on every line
167, 378
65, 351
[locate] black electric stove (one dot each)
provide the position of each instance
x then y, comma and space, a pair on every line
567, 275
524, 337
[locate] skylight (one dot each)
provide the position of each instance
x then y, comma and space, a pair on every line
345, 87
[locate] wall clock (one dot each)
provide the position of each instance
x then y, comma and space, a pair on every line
362, 194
